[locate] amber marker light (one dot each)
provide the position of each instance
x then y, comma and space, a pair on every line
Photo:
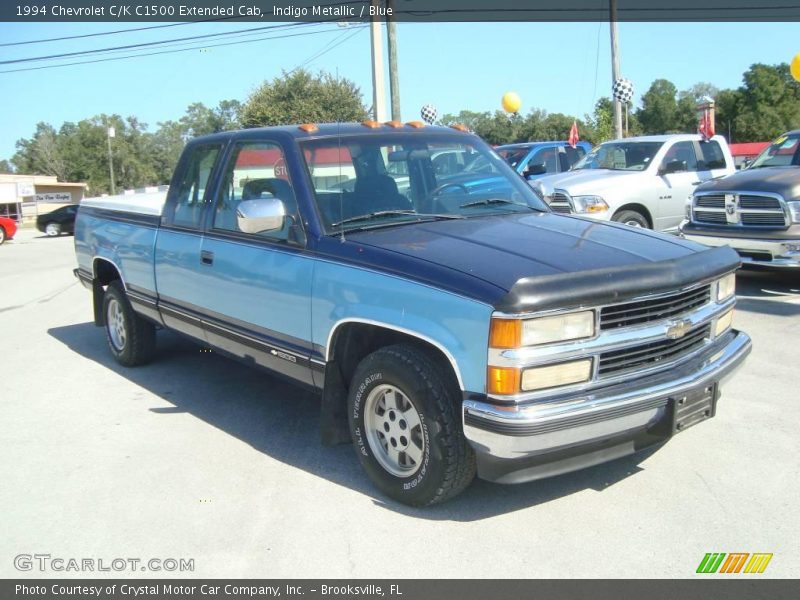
416, 124
308, 127
460, 127
394, 124
505, 333
371, 124
503, 380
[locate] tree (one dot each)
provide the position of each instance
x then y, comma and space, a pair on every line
300, 97
5, 166
768, 103
201, 120
659, 112
42, 154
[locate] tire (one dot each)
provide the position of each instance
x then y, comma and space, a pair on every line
2, 236
406, 428
52, 229
131, 339
632, 218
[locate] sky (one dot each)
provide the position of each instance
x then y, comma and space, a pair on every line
558, 67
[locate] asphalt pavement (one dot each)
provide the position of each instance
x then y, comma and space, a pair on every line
199, 457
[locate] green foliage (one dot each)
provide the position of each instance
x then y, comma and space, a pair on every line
300, 97
5, 167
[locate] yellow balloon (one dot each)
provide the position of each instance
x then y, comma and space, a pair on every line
795, 66
511, 102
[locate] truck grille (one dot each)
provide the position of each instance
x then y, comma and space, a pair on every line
739, 209
649, 355
559, 202
653, 309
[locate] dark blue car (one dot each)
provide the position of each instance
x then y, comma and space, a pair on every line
534, 159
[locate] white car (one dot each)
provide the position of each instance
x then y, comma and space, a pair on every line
640, 181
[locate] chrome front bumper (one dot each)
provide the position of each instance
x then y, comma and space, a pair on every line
514, 443
783, 253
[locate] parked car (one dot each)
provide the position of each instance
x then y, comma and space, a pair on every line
535, 159
61, 220
453, 329
640, 181
8, 227
755, 211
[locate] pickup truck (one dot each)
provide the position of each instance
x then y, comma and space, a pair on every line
640, 181
449, 330
535, 159
756, 211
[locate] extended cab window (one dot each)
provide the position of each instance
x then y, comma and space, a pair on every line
257, 171
190, 197
713, 158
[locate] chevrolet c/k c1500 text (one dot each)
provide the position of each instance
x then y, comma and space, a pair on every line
456, 328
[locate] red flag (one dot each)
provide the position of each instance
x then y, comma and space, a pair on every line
706, 127
573, 134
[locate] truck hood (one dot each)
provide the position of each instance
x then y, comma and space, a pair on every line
777, 180
530, 261
587, 181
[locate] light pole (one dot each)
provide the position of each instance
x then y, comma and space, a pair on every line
111, 133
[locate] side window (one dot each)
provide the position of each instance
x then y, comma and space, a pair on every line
571, 156
713, 158
547, 157
191, 197
257, 171
682, 152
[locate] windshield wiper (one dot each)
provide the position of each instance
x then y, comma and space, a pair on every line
392, 213
489, 201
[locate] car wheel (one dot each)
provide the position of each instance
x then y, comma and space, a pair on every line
131, 339
2, 235
52, 229
631, 218
406, 427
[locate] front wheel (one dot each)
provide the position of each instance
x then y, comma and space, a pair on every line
52, 229
631, 218
131, 339
406, 427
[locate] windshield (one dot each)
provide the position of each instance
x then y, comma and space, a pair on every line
783, 152
367, 181
620, 156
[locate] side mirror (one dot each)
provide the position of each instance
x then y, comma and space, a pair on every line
537, 169
258, 216
674, 166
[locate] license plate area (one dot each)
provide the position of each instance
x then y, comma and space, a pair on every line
693, 407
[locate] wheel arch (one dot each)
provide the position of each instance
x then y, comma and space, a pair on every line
105, 270
636, 207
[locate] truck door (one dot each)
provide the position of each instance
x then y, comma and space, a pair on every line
678, 176
178, 270
256, 299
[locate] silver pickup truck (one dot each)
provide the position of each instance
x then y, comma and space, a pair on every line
639, 181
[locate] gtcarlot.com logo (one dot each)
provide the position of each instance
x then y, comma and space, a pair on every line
734, 562
46, 562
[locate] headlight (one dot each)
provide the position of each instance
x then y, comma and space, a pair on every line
723, 323
589, 204
794, 210
726, 287
513, 333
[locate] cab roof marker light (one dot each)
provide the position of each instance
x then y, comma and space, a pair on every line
394, 124
308, 127
371, 124
416, 124
460, 127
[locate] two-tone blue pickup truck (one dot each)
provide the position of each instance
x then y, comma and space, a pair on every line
450, 329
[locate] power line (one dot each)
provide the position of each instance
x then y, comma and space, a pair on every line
87, 62
328, 47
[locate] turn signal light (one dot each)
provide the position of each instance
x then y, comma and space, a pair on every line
503, 380
505, 333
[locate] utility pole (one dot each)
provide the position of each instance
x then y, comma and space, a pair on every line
111, 133
615, 68
378, 78
394, 80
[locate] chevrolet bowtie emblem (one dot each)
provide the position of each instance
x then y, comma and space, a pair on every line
678, 329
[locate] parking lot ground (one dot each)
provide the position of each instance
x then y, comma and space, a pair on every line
199, 457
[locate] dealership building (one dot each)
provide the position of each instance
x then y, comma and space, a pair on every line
24, 197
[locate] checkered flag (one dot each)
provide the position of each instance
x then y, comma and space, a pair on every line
429, 114
622, 90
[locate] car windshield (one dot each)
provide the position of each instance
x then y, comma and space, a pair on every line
783, 152
512, 155
367, 181
620, 156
